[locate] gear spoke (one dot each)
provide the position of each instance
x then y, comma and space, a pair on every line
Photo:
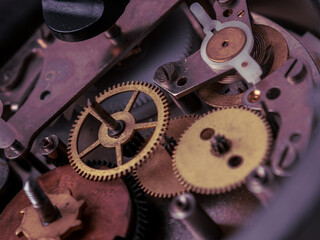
127, 142
89, 149
145, 125
132, 101
119, 155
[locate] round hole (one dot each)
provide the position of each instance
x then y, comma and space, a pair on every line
254, 96
235, 161
182, 81
45, 95
273, 93
206, 133
225, 43
241, 13
244, 64
295, 137
227, 13
44, 143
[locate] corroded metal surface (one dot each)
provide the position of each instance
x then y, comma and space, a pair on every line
107, 214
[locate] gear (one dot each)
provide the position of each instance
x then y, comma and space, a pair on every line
110, 220
117, 143
250, 140
138, 198
220, 94
70, 209
156, 176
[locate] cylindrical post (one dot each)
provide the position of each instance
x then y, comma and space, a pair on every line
185, 209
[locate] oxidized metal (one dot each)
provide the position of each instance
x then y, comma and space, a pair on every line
70, 210
211, 93
63, 77
289, 101
104, 219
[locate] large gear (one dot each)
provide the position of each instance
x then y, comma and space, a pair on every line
140, 208
159, 126
204, 171
156, 176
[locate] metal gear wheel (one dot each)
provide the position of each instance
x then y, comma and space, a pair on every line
156, 176
140, 209
110, 220
197, 167
159, 126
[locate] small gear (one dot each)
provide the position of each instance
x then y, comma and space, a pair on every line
156, 176
250, 139
111, 220
130, 128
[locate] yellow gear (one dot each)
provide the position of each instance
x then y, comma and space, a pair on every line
198, 168
156, 176
159, 126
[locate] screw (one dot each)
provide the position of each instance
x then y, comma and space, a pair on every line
166, 72
115, 127
47, 143
54, 150
219, 145
47, 212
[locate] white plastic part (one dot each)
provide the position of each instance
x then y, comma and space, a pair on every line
246, 66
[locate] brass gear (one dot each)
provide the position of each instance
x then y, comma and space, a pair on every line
195, 165
159, 126
156, 176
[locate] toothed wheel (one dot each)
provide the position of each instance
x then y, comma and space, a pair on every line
117, 143
156, 176
140, 219
246, 139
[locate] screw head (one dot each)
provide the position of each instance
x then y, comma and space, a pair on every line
166, 72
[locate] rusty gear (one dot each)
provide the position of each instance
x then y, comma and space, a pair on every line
159, 126
140, 217
70, 210
197, 168
156, 176
101, 221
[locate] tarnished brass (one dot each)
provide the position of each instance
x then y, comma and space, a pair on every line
226, 44
131, 126
70, 210
156, 176
197, 168
210, 93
